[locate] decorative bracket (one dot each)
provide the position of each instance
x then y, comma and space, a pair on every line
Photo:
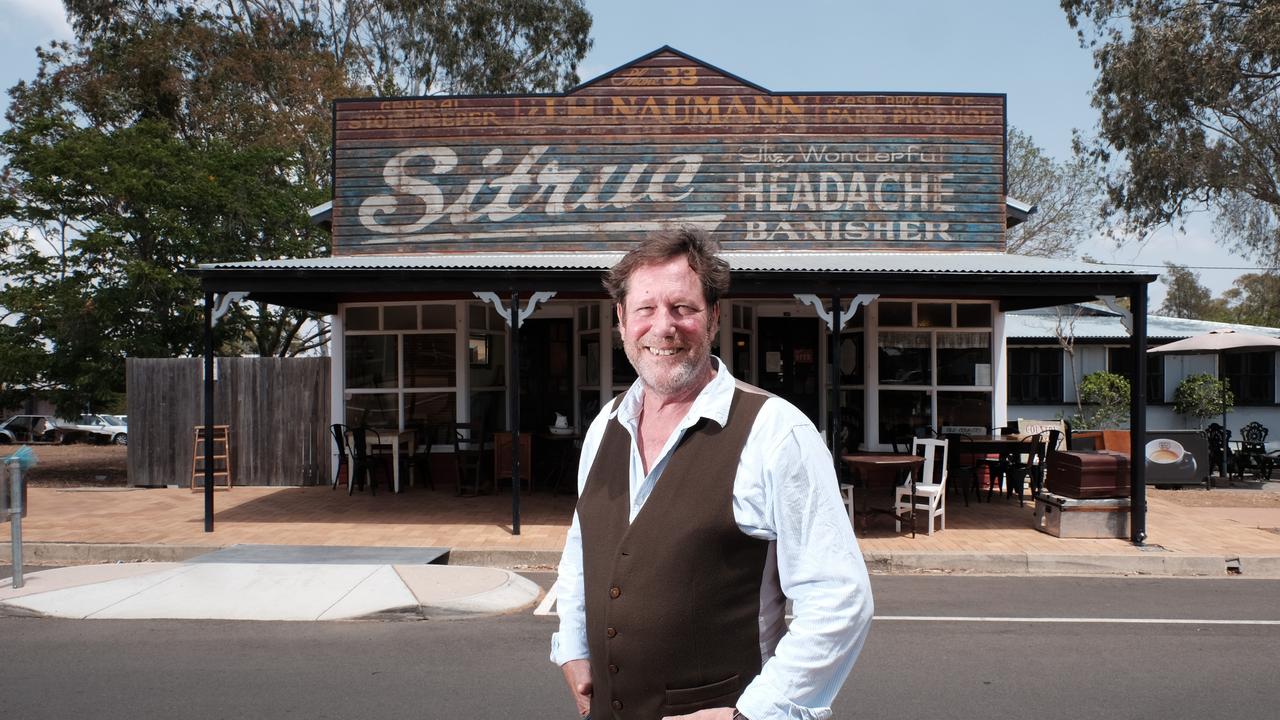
225, 302
1126, 317
846, 314
505, 312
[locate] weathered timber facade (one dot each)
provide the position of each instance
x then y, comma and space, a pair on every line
865, 232
666, 140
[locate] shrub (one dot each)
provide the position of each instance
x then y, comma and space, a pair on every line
1106, 396
1203, 396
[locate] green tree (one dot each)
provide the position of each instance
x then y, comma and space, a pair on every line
1188, 96
1065, 194
1203, 396
1254, 299
1105, 397
1185, 297
175, 132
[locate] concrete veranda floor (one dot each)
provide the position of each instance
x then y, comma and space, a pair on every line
982, 537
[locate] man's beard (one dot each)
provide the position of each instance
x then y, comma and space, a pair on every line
669, 380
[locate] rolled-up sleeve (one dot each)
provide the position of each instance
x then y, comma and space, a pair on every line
570, 642
821, 570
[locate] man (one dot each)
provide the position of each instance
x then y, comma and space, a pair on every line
702, 503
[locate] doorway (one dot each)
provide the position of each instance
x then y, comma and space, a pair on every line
788, 358
546, 372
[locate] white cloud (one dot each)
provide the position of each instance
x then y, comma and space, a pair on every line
36, 19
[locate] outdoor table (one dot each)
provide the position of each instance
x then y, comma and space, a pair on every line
564, 444
395, 439
872, 469
1002, 445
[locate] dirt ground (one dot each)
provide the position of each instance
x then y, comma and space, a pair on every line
1249, 494
76, 465
89, 465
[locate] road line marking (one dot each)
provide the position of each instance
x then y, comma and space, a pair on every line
1119, 621
544, 608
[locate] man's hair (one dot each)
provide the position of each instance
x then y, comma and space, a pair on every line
662, 245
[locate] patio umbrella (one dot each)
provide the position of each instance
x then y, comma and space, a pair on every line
1219, 342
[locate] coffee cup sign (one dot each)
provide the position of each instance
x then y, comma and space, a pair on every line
1164, 451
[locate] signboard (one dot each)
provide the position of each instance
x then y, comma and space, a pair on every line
668, 139
1176, 457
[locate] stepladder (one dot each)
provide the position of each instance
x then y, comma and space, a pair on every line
220, 460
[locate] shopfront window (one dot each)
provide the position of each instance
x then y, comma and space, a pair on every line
904, 413
401, 365
934, 362
905, 358
486, 365
372, 361
964, 409
964, 358
588, 363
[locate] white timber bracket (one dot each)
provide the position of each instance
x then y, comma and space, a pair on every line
1126, 317
501, 306
224, 303
846, 313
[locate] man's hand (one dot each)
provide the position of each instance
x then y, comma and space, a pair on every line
577, 673
712, 714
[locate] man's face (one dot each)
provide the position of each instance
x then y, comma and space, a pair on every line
666, 326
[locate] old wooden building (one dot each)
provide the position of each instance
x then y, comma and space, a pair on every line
866, 232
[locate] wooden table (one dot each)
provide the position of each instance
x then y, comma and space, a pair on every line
565, 469
1001, 445
873, 468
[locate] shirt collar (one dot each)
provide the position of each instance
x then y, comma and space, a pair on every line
712, 403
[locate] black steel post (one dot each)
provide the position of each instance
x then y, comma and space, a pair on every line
1138, 418
513, 410
834, 425
208, 412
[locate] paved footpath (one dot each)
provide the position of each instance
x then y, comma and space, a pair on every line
324, 555
274, 583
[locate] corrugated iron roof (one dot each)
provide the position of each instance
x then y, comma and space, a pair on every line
1036, 325
852, 262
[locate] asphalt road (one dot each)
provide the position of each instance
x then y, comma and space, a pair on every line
1219, 665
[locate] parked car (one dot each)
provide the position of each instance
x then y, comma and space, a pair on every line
102, 428
30, 428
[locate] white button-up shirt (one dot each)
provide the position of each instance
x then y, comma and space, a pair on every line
785, 491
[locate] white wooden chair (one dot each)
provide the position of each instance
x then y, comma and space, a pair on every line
846, 494
931, 487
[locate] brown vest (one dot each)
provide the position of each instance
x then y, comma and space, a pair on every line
672, 599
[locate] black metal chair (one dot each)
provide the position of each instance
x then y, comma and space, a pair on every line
1023, 466
364, 462
963, 466
997, 467
1219, 439
1252, 456
419, 460
343, 470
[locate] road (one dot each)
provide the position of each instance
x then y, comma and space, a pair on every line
1221, 664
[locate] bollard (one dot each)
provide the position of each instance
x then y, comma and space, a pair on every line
12, 508
16, 509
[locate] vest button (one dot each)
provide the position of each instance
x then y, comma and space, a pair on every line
615, 592
613, 669
617, 704
611, 632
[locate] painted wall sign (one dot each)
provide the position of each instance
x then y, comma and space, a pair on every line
668, 139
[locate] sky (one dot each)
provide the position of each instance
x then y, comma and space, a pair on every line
1023, 49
